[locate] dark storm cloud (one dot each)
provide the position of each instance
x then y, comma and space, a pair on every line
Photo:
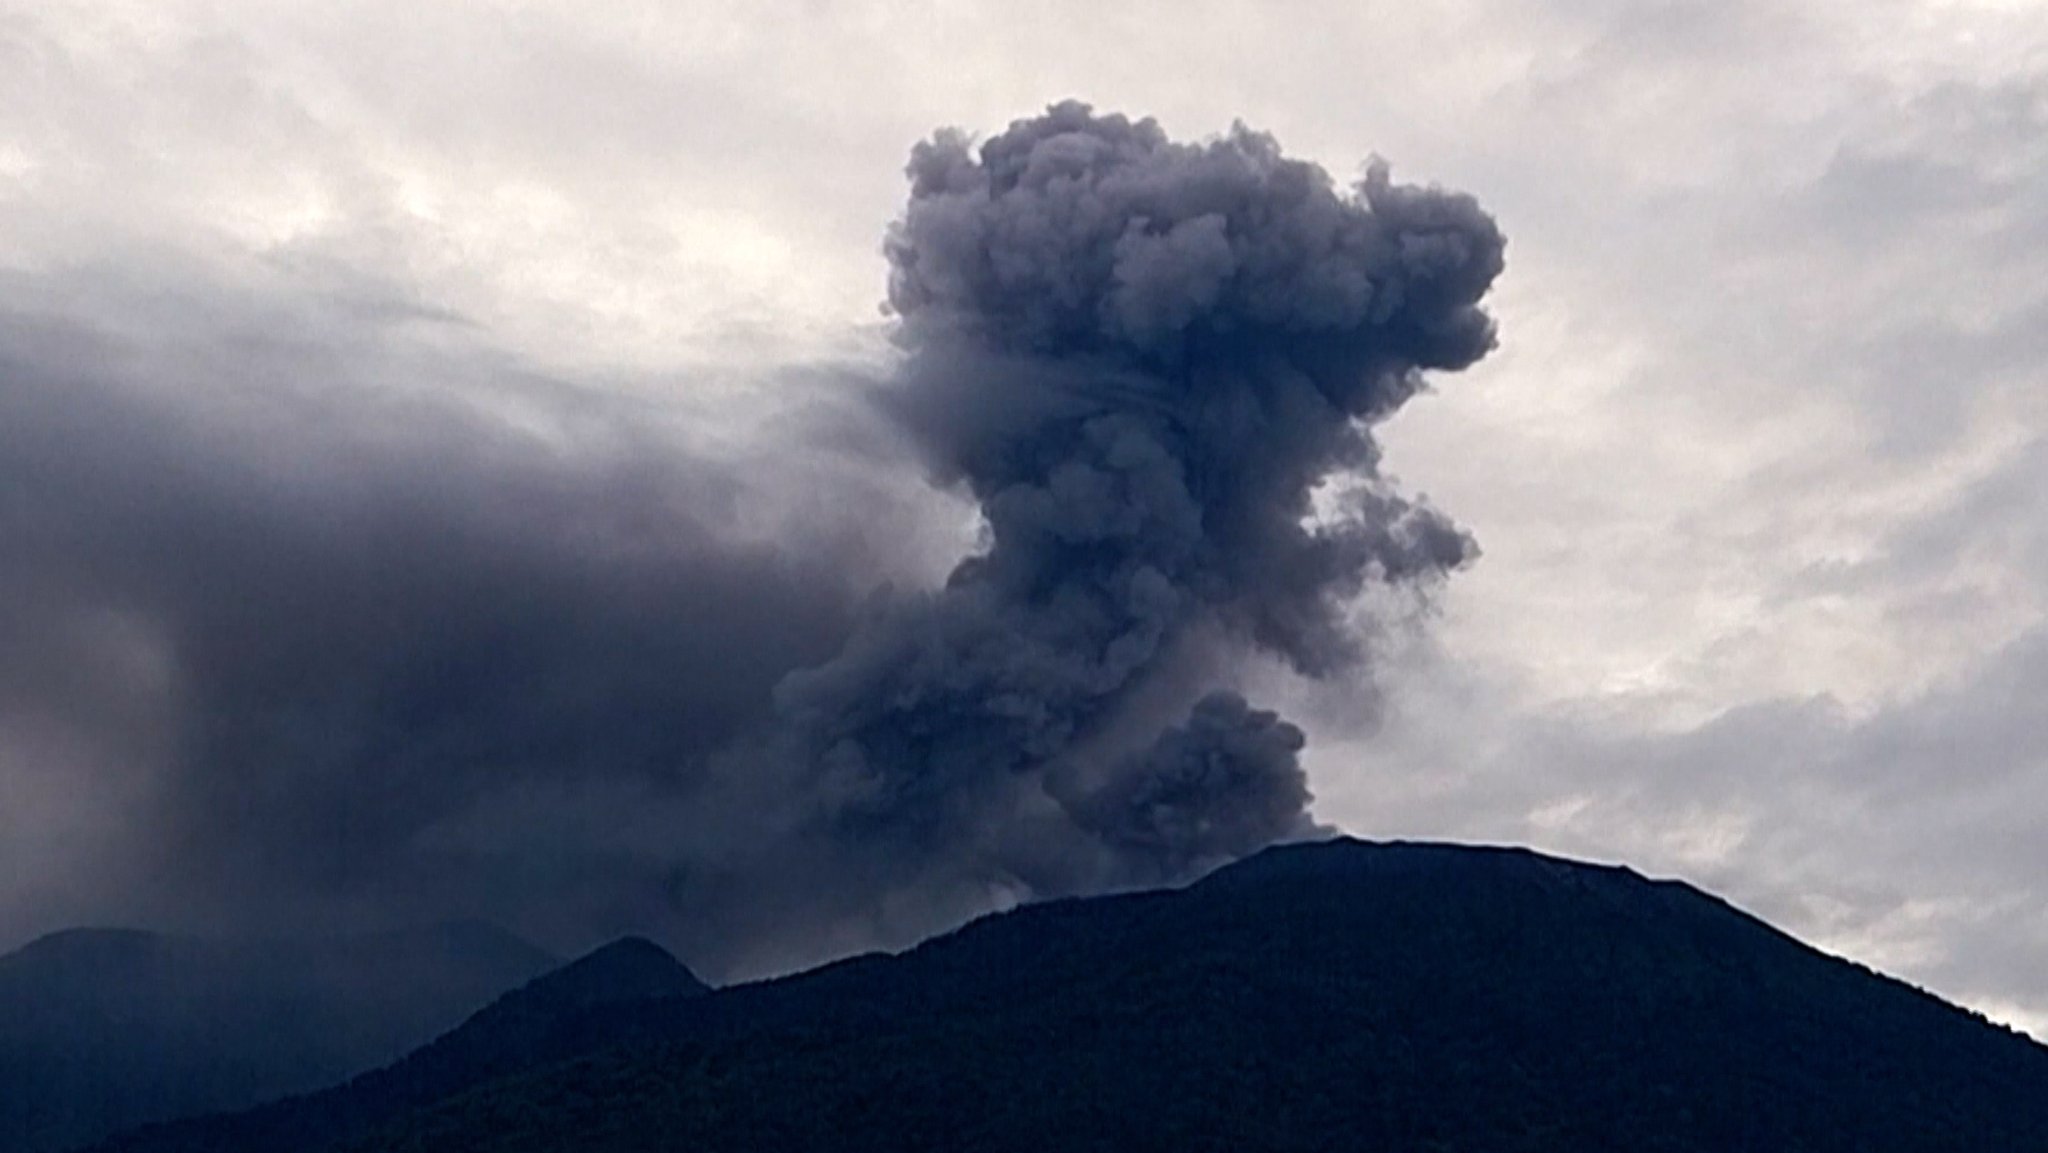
376, 642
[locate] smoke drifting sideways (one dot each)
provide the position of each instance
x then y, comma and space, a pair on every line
290, 646
322, 621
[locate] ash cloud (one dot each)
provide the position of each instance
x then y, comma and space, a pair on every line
1225, 784
341, 649
1141, 358
287, 604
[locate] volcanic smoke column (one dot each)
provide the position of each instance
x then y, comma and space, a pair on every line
1141, 358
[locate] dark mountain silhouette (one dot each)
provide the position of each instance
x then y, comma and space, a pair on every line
102, 1029
1343, 995
628, 969
595, 1000
549, 1018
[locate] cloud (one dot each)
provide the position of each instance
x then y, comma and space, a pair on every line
303, 590
361, 617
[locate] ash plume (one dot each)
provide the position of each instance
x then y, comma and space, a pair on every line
1141, 358
291, 643
1225, 784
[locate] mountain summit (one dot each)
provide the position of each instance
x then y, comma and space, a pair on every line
1335, 995
628, 969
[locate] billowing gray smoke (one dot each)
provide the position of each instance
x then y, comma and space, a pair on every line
1142, 358
284, 638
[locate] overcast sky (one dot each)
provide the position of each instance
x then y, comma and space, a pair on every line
1759, 470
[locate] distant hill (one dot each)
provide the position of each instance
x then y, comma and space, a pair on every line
586, 1004
1336, 996
101, 1029
628, 969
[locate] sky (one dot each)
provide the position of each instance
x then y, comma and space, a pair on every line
518, 360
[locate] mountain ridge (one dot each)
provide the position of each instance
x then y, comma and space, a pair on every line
105, 1028
1413, 994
